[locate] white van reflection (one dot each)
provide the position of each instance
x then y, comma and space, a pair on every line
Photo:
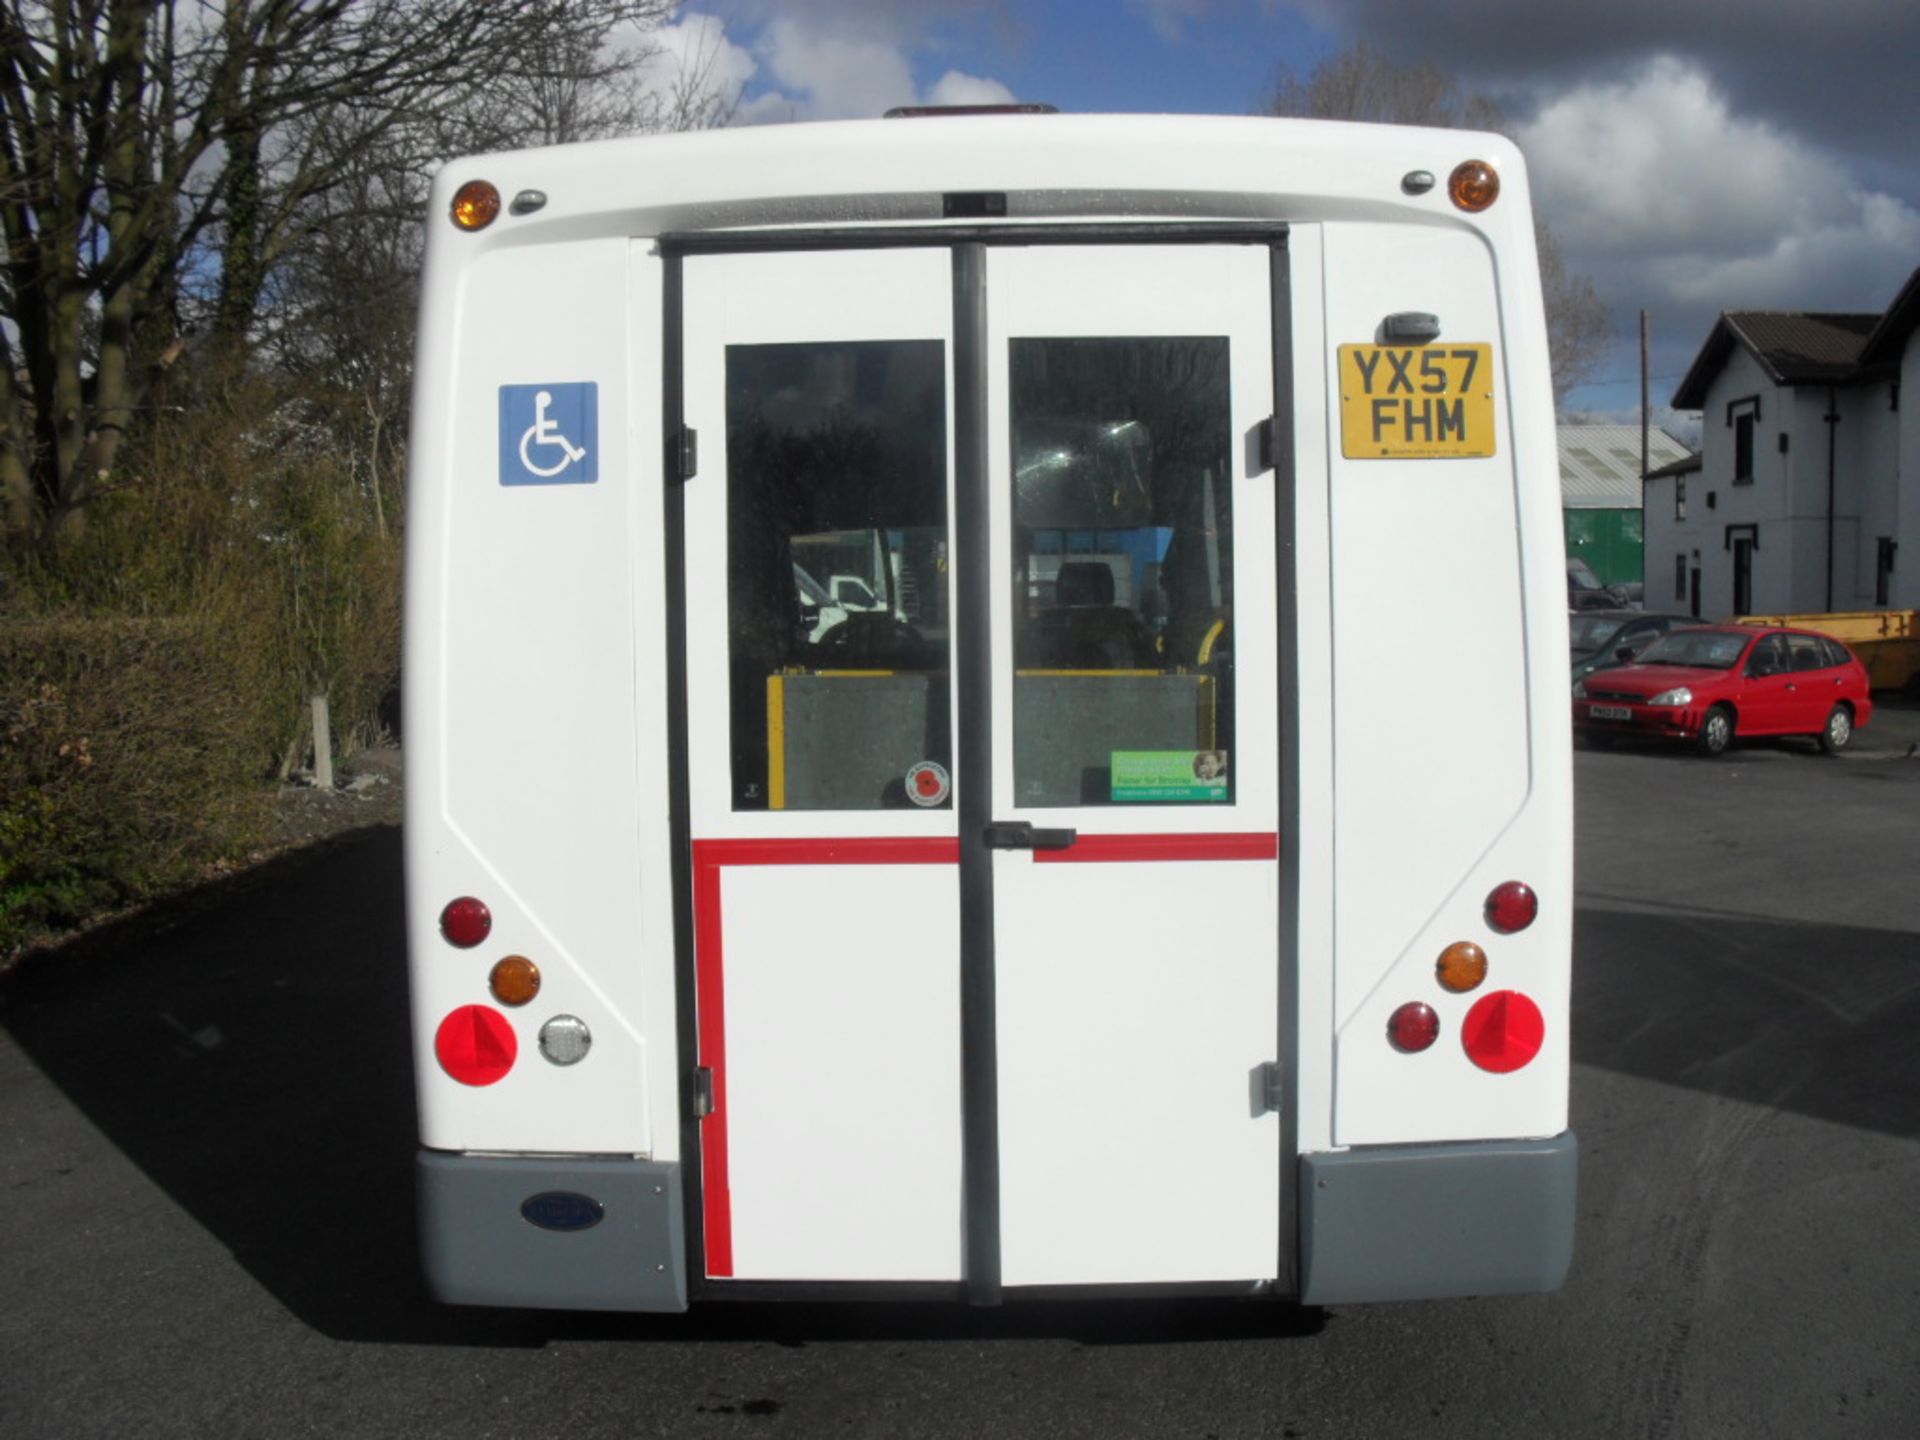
824, 606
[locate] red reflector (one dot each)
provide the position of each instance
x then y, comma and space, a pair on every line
475, 1045
1413, 1027
1512, 907
1503, 1031
465, 922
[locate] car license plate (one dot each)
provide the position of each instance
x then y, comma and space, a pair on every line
1610, 712
1416, 402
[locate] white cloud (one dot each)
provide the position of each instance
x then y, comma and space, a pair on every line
833, 77
1652, 182
1170, 18
956, 87
695, 46
808, 65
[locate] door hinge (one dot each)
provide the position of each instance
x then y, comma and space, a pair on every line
1265, 443
702, 1093
686, 457
1268, 1087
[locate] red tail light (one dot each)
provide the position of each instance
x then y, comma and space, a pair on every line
1413, 1027
1512, 907
1503, 1031
466, 922
475, 1045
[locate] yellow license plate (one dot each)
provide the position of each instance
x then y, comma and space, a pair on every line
1416, 402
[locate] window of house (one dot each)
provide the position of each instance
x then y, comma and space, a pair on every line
1679, 497
1743, 449
1883, 569
1680, 577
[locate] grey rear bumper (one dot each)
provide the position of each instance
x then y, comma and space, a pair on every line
479, 1246
1393, 1222
1423, 1222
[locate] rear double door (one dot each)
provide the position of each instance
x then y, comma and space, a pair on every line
979, 611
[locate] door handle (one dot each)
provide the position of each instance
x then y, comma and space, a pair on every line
1020, 835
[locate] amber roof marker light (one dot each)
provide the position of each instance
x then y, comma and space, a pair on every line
476, 205
1473, 186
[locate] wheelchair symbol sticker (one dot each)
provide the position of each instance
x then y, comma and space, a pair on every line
550, 434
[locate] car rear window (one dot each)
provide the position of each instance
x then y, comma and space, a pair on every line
1837, 654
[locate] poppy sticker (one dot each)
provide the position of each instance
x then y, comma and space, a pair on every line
928, 784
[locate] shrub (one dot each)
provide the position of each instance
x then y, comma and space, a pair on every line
156, 666
251, 509
129, 757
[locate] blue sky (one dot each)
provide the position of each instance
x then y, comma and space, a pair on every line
1691, 156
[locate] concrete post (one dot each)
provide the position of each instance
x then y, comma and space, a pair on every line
322, 745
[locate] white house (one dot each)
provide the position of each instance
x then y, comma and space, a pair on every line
1807, 488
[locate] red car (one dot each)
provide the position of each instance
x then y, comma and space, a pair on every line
1708, 684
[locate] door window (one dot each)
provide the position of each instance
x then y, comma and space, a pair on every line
1769, 657
837, 575
1807, 652
1123, 571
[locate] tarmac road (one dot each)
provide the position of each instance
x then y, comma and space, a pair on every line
206, 1141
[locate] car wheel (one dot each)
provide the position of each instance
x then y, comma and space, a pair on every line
1716, 731
1839, 730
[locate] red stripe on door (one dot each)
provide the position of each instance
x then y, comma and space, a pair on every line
709, 995
1095, 848
709, 858
883, 850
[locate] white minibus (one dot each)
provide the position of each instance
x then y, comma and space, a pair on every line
1152, 876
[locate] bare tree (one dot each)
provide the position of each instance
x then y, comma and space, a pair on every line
159, 159
1362, 84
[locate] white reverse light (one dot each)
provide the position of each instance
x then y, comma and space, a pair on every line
565, 1039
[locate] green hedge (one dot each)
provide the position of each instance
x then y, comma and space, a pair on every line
130, 758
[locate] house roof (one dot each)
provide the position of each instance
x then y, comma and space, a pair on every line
1793, 347
1600, 464
1686, 466
1889, 337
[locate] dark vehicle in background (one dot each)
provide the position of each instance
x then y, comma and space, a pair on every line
1585, 592
1602, 639
1706, 684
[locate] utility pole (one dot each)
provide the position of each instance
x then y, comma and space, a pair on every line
1645, 415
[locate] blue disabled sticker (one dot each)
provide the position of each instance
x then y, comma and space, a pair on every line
550, 434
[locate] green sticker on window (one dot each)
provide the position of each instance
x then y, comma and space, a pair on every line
1191, 775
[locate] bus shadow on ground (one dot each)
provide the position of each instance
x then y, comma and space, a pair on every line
248, 1048
1813, 1018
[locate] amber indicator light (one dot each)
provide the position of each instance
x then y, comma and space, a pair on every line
1474, 185
514, 980
476, 205
1463, 965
